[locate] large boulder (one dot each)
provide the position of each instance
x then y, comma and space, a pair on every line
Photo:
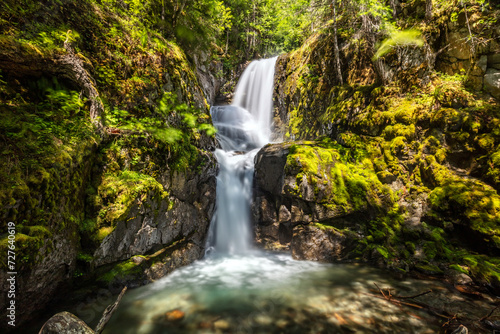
304, 195
155, 222
65, 323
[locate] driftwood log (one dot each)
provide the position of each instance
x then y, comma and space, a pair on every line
108, 312
67, 323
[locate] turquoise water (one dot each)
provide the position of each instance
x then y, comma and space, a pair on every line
271, 293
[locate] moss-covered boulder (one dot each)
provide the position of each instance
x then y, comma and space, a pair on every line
144, 215
415, 121
309, 183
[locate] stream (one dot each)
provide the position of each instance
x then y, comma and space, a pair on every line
237, 289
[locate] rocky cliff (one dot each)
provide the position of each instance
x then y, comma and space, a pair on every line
108, 174
402, 164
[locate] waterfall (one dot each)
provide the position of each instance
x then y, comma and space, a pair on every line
236, 290
243, 128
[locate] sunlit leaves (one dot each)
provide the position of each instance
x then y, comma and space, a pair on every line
170, 122
65, 103
399, 38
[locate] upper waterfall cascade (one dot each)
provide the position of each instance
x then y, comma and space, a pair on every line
243, 126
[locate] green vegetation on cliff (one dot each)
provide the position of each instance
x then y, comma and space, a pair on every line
425, 118
61, 176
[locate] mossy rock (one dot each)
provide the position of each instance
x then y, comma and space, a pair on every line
429, 269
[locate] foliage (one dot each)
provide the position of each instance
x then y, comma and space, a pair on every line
399, 38
162, 124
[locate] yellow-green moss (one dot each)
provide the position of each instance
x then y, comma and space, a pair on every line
121, 271
339, 185
118, 192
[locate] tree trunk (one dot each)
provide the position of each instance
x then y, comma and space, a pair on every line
428, 10
335, 42
163, 10
394, 7
178, 8
82, 77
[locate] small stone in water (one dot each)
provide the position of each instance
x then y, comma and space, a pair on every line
204, 325
461, 330
137, 259
175, 315
281, 323
221, 324
139, 303
263, 320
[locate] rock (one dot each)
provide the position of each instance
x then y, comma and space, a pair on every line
284, 215
461, 330
65, 323
313, 243
151, 225
492, 82
494, 61
482, 63
47, 277
458, 47
164, 263
428, 269
221, 324
205, 71
301, 184
269, 165
137, 259
174, 315
458, 278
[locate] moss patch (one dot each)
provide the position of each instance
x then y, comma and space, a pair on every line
338, 184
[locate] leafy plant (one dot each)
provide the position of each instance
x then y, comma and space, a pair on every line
399, 38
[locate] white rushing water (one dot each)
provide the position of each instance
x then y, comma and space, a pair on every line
243, 128
235, 289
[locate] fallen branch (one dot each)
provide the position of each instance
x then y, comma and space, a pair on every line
414, 296
396, 300
108, 312
489, 314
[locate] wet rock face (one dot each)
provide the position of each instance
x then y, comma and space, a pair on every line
65, 323
45, 278
492, 82
298, 205
324, 245
153, 224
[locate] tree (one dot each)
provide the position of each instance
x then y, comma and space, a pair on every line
428, 10
335, 41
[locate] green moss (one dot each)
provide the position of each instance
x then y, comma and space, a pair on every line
382, 251
84, 257
483, 267
459, 268
430, 269
338, 185
27, 250
121, 190
326, 227
121, 271
478, 203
